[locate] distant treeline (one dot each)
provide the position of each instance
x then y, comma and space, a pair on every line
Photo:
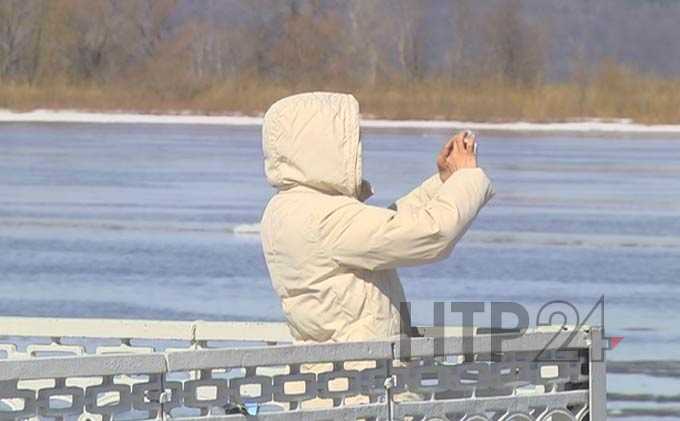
163, 55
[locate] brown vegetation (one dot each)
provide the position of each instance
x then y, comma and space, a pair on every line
138, 55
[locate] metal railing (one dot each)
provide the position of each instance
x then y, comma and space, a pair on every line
130, 369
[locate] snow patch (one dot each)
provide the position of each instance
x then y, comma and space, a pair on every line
588, 126
246, 229
68, 116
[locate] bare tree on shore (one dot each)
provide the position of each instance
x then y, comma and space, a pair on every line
19, 25
516, 49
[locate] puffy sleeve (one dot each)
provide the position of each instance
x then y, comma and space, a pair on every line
421, 194
422, 229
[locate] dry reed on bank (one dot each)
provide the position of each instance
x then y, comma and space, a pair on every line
610, 96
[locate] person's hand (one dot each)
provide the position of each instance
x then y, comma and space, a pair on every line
458, 153
442, 163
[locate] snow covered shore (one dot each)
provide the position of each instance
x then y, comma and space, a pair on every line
589, 126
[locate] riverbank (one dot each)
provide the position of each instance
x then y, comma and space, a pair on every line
584, 126
614, 95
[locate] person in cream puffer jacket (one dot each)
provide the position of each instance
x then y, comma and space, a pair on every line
332, 258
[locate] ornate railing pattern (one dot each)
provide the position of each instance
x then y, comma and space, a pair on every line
115, 369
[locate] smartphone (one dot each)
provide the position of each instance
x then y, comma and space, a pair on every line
469, 133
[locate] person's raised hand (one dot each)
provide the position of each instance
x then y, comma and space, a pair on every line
458, 153
443, 167
464, 152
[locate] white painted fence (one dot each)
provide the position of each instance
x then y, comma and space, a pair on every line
129, 369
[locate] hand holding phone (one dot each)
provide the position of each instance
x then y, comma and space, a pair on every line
458, 153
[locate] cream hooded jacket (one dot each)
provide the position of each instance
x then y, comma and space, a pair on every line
332, 258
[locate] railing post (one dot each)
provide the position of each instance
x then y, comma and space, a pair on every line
597, 376
390, 381
163, 399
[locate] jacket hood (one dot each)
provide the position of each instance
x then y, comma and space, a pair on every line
313, 140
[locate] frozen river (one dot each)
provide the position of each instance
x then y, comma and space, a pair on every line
159, 221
